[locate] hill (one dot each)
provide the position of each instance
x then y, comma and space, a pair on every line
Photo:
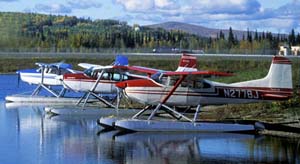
201, 30
189, 28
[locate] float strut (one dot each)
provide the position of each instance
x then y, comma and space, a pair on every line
196, 113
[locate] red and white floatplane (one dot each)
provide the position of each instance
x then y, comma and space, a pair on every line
99, 81
187, 86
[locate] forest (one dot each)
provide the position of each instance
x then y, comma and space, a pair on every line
31, 32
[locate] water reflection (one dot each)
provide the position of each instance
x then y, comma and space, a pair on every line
203, 147
35, 137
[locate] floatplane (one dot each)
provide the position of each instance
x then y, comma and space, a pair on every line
97, 81
165, 90
46, 77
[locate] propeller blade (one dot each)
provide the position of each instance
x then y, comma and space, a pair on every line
19, 78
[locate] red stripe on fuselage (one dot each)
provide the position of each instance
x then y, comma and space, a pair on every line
77, 76
280, 60
80, 77
141, 83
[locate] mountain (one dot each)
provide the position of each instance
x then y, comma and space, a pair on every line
198, 30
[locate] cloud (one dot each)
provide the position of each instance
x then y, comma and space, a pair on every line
165, 4
239, 14
8, 0
65, 8
136, 5
53, 8
227, 6
83, 4
290, 10
146, 5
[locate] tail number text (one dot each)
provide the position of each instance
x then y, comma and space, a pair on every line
241, 93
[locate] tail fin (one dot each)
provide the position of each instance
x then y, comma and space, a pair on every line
279, 76
280, 73
187, 63
121, 60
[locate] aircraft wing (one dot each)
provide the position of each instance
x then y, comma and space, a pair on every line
190, 74
95, 67
41, 64
198, 73
103, 67
88, 65
139, 69
58, 65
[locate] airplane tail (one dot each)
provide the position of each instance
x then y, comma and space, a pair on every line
187, 63
279, 76
121, 60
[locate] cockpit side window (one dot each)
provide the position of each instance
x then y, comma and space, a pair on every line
157, 77
106, 76
125, 77
63, 71
202, 84
53, 70
116, 77
184, 84
172, 82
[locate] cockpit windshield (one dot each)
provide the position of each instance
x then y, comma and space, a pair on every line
90, 73
157, 77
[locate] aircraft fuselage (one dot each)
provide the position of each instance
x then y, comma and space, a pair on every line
206, 93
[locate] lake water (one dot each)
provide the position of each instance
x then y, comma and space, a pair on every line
29, 135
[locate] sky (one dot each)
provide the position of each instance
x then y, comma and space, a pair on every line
278, 16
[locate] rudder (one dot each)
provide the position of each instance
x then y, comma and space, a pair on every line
187, 63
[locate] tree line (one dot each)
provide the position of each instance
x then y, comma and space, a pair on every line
22, 31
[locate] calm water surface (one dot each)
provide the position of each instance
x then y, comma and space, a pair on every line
29, 135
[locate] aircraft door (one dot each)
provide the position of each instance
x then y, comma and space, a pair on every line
198, 92
179, 97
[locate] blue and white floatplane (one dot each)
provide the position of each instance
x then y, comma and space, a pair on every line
47, 77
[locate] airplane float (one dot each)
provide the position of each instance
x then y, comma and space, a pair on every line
190, 88
45, 77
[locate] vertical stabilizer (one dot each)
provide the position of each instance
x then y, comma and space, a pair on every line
121, 60
279, 76
187, 63
280, 73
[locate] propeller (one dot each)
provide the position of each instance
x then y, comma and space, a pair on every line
19, 78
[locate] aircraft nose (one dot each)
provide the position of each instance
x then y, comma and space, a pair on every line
121, 84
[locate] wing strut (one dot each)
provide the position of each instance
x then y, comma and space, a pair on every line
91, 92
41, 85
167, 109
166, 98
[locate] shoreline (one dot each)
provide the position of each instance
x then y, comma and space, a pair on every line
273, 133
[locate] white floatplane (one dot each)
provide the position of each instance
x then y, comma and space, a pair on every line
46, 77
190, 88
